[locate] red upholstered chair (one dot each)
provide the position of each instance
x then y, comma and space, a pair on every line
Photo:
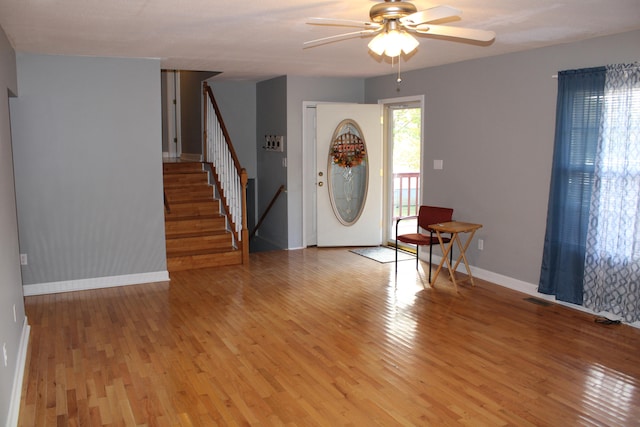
423, 236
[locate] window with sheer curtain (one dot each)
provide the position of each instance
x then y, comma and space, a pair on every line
612, 263
592, 242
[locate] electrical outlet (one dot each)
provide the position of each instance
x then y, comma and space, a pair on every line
4, 353
23, 259
480, 244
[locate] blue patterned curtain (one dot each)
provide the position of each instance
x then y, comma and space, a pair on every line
612, 264
578, 114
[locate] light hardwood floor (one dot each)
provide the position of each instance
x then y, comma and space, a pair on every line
322, 337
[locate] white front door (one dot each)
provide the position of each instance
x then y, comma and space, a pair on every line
333, 227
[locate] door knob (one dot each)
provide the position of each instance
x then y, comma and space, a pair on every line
320, 173
320, 184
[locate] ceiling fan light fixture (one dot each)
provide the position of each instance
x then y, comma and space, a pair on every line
409, 43
394, 22
378, 44
392, 43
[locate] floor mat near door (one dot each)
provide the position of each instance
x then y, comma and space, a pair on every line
383, 254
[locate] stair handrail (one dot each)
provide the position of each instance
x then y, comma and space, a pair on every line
230, 178
266, 211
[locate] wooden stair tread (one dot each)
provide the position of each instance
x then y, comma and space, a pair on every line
207, 260
189, 188
195, 205
194, 221
182, 172
182, 185
197, 200
196, 217
188, 235
200, 201
183, 179
187, 253
179, 216
186, 211
181, 166
172, 191
184, 232
187, 184
188, 197
190, 244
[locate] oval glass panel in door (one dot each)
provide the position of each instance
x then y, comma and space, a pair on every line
348, 172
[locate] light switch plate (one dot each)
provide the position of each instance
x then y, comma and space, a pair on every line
274, 142
437, 164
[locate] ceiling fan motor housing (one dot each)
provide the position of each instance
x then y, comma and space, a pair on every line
391, 9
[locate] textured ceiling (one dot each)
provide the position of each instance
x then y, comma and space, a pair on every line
255, 40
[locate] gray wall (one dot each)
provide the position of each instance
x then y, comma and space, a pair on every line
237, 102
191, 110
280, 112
492, 122
88, 164
300, 89
10, 278
271, 103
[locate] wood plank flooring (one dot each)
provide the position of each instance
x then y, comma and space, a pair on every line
322, 337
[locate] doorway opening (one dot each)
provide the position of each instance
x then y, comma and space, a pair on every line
404, 136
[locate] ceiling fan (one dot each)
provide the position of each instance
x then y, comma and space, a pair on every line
394, 21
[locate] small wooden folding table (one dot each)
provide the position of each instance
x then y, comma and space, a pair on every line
454, 228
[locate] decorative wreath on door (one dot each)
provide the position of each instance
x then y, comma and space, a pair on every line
348, 150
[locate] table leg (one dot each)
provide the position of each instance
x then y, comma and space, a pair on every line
445, 258
463, 256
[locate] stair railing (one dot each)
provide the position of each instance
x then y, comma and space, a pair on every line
230, 179
266, 211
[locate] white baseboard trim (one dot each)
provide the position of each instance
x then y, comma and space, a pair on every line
18, 376
94, 283
498, 279
525, 288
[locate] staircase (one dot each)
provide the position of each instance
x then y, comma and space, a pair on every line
195, 230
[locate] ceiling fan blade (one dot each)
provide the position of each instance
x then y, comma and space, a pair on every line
338, 37
430, 15
343, 22
456, 32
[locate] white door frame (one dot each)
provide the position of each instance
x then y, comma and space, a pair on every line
387, 211
309, 237
309, 220
173, 113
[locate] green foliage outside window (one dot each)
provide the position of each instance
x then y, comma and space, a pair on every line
406, 137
